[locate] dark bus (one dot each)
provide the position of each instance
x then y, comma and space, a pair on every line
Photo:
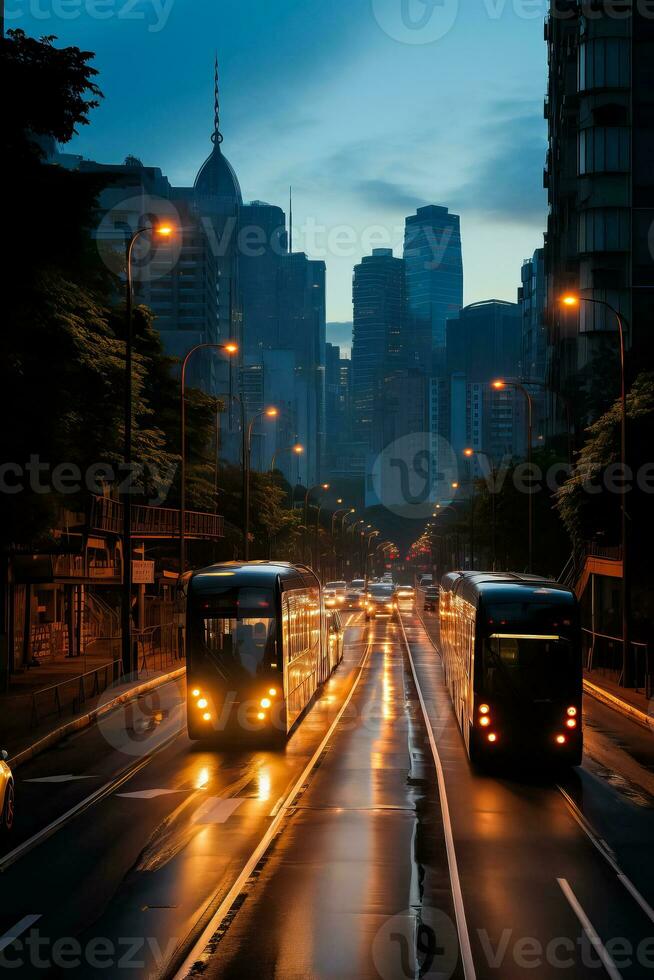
257, 648
511, 648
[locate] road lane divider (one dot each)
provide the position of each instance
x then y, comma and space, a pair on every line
590, 930
606, 853
17, 930
455, 880
213, 925
107, 789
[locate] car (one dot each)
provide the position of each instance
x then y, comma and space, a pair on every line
357, 583
334, 593
380, 600
335, 635
7, 795
353, 599
405, 593
431, 598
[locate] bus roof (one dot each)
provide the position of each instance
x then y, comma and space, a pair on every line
256, 574
500, 586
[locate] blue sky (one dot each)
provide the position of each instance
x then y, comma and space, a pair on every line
368, 115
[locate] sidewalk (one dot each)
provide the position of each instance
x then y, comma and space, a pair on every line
633, 704
628, 702
46, 703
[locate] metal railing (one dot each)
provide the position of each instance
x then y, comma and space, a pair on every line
51, 701
107, 515
603, 654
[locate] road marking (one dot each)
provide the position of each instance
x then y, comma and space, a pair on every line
216, 919
21, 926
106, 790
217, 810
457, 893
148, 794
589, 929
66, 778
633, 891
604, 850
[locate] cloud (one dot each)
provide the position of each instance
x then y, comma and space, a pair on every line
386, 194
507, 185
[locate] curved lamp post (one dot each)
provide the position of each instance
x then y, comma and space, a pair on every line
574, 300
129, 658
271, 413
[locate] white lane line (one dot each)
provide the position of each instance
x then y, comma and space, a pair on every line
457, 893
635, 894
264, 843
604, 850
217, 809
89, 801
148, 794
64, 778
21, 926
589, 929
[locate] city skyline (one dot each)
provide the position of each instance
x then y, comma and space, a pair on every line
354, 175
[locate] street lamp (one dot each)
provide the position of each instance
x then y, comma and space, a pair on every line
230, 348
130, 661
270, 413
499, 385
310, 490
573, 300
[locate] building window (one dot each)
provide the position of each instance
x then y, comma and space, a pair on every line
604, 63
604, 230
604, 148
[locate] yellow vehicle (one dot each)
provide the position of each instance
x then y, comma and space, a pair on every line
7, 795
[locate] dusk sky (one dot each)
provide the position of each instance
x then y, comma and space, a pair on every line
366, 118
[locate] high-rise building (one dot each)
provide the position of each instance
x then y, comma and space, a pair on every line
600, 183
379, 334
434, 282
483, 344
531, 299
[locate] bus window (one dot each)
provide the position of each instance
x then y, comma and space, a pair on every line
533, 667
237, 632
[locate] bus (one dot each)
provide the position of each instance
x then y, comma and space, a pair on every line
511, 647
258, 647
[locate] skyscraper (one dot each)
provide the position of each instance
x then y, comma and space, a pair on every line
434, 282
379, 335
600, 184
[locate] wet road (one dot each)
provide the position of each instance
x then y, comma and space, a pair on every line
160, 865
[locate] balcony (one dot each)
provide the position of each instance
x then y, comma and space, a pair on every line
155, 522
80, 567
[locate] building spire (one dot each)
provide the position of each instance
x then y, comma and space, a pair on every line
216, 136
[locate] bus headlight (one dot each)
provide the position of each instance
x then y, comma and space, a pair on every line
571, 722
492, 737
560, 739
265, 702
484, 721
203, 703
483, 709
571, 712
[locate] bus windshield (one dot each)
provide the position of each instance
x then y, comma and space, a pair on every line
536, 668
236, 630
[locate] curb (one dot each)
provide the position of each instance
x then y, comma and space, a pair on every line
628, 710
84, 721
